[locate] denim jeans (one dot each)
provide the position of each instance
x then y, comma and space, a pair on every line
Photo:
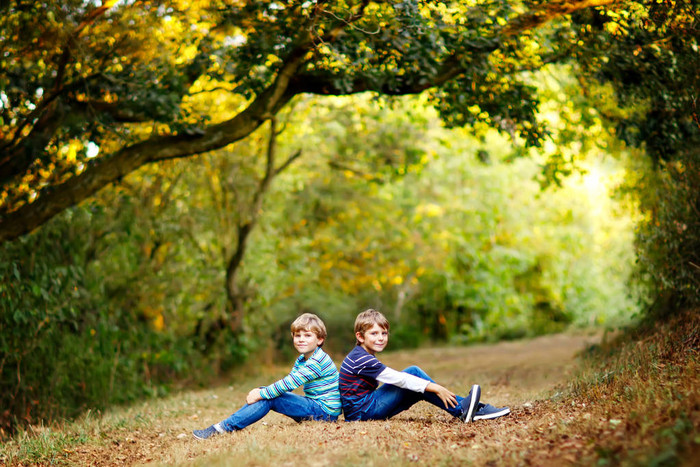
389, 400
292, 405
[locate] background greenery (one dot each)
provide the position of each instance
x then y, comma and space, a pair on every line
505, 201
444, 230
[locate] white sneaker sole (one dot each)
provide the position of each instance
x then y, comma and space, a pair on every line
500, 413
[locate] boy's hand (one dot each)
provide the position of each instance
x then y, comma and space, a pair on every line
253, 396
446, 396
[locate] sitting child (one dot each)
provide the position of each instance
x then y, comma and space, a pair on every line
361, 372
314, 369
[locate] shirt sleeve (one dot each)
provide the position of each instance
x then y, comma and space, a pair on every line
297, 377
403, 380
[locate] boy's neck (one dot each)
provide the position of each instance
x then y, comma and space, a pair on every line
371, 352
309, 354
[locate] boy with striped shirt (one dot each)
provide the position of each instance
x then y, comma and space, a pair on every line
314, 369
361, 372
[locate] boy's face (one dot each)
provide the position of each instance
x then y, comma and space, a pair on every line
306, 342
374, 339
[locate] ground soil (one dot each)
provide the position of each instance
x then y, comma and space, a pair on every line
524, 375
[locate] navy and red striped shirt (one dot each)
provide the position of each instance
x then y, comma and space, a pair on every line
357, 381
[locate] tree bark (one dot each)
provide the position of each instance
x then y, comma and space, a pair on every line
234, 292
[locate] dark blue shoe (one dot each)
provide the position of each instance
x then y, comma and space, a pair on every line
487, 411
470, 404
206, 433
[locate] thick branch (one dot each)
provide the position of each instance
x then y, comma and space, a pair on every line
127, 160
19, 152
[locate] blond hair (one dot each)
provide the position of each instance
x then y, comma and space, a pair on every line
310, 322
369, 318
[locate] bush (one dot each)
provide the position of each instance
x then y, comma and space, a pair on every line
66, 345
668, 241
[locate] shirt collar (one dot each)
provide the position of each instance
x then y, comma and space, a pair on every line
301, 357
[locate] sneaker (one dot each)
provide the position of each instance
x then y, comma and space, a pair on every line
206, 433
487, 411
470, 403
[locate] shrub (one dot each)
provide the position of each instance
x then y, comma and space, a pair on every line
668, 241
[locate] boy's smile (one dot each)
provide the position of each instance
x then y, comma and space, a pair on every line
374, 339
306, 342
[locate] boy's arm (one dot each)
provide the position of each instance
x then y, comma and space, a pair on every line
402, 380
446, 396
298, 377
414, 383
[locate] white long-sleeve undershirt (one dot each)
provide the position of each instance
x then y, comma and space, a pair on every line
402, 380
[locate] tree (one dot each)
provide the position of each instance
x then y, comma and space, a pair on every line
122, 78
648, 56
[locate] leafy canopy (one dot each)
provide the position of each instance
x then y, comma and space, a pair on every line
91, 91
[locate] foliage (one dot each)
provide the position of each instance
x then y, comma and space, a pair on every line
668, 240
453, 248
520, 262
653, 73
652, 70
79, 327
91, 92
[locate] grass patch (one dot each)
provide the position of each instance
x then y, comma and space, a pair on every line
42, 445
642, 391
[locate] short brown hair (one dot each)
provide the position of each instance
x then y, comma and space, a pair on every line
369, 318
310, 322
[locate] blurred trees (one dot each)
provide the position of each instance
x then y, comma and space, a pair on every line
457, 248
385, 208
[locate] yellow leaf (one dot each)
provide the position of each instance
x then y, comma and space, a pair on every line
159, 322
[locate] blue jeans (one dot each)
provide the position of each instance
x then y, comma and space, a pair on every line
389, 400
292, 405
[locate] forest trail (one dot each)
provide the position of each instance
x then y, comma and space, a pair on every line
524, 375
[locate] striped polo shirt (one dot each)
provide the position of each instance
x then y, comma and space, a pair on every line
319, 376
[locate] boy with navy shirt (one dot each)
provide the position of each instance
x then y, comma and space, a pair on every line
361, 372
314, 369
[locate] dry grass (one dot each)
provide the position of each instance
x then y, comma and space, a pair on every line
644, 394
596, 419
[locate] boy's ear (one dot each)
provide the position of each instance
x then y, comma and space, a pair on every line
360, 337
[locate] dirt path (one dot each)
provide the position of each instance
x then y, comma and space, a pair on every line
523, 375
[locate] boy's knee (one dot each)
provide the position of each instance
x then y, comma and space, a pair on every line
414, 370
268, 403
